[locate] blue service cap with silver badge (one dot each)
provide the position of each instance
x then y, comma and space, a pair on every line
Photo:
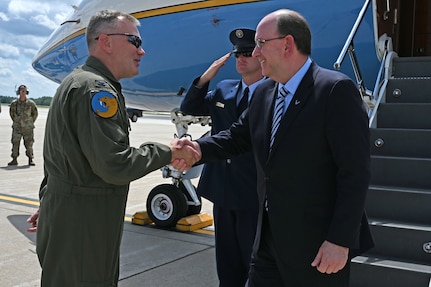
242, 40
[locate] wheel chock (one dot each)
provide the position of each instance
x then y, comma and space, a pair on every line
188, 223
141, 218
194, 222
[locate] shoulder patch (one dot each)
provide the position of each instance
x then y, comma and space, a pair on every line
104, 104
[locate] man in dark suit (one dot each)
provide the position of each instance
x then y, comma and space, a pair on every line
313, 174
230, 184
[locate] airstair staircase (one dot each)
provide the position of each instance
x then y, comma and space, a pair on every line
399, 196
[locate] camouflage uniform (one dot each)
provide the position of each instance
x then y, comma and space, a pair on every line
23, 115
89, 164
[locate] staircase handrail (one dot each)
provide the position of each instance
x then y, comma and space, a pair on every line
349, 47
381, 83
379, 88
349, 41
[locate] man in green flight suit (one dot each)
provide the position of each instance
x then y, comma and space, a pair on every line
89, 162
23, 113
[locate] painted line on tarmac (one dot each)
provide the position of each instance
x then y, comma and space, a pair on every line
20, 200
204, 231
35, 203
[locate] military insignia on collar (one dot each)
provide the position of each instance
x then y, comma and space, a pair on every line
104, 104
100, 83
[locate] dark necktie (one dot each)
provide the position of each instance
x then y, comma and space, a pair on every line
243, 104
278, 113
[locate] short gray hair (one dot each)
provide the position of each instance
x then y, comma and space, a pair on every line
106, 20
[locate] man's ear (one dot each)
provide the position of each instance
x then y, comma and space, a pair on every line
105, 43
289, 43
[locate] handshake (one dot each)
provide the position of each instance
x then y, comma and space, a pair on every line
185, 153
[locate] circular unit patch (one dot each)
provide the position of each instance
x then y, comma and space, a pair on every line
104, 104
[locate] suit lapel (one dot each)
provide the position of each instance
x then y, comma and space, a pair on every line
231, 96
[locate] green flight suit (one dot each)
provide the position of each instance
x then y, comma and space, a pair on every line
89, 165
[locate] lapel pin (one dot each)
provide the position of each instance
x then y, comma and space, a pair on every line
220, 105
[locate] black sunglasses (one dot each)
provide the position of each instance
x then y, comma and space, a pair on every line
132, 39
245, 54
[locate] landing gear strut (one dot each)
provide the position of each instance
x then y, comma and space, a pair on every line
167, 203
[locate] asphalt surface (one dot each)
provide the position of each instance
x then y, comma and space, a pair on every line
150, 256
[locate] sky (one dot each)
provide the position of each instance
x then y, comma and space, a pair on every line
25, 25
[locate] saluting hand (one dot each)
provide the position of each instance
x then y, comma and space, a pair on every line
212, 71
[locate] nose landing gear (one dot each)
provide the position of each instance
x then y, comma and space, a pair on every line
168, 203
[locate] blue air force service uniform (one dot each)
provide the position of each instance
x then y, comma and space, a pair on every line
230, 184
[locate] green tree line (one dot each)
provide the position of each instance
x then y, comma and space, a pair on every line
43, 101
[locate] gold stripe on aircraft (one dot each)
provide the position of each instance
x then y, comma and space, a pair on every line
188, 7
164, 11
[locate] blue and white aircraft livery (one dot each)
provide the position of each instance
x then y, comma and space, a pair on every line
182, 38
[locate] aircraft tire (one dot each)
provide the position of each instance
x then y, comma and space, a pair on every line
191, 209
166, 204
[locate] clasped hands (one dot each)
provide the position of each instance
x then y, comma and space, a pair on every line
185, 153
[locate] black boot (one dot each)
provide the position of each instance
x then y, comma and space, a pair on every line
13, 162
30, 161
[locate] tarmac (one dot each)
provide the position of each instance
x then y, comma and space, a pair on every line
150, 256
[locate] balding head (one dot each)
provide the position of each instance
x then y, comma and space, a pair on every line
289, 22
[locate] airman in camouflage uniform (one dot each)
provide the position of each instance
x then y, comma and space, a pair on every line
23, 113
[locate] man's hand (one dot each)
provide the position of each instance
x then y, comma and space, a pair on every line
192, 144
185, 154
33, 221
212, 71
330, 258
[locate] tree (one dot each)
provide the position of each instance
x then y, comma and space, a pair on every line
43, 101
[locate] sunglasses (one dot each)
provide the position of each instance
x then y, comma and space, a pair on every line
132, 39
245, 54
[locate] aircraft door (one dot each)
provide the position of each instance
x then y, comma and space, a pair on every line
422, 28
387, 20
408, 23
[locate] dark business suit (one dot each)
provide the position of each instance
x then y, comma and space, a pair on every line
316, 177
230, 184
